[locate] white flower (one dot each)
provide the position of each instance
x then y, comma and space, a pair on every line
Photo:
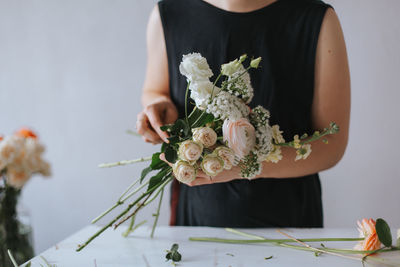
227, 155
255, 62
240, 136
9, 148
184, 172
212, 165
251, 166
277, 134
303, 152
275, 155
200, 92
195, 67
228, 69
205, 135
226, 106
190, 151
263, 140
239, 84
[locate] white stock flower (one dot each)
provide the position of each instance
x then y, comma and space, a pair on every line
226, 106
200, 92
277, 134
212, 165
184, 172
190, 151
275, 155
195, 67
227, 155
303, 152
205, 135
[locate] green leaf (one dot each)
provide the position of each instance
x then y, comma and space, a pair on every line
203, 120
145, 171
156, 179
28, 264
174, 247
173, 140
383, 231
173, 254
156, 162
171, 155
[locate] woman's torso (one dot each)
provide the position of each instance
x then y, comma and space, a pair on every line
285, 34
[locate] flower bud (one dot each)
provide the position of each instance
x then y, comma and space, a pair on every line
255, 62
228, 69
190, 151
205, 135
212, 165
184, 172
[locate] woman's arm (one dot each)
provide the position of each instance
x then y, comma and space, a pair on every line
158, 108
331, 103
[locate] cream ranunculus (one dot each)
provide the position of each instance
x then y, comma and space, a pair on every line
190, 151
200, 92
205, 135
240, 136
195, 67
212, 164
227, 155
184, 172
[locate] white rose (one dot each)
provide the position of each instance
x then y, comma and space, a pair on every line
195, 67
184, 172
201, 92
190, 151
205, 135
212, 165
227, 155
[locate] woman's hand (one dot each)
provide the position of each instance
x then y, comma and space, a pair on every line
202, 178
153, 116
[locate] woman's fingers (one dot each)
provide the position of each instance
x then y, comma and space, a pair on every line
154, 113
162, 157
144, 129
200, 181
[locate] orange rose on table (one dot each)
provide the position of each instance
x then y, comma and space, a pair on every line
368, 231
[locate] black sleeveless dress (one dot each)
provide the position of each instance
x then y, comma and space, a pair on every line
285, 34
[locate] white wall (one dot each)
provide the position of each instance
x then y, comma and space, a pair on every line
73, 71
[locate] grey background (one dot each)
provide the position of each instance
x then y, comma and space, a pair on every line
73, 71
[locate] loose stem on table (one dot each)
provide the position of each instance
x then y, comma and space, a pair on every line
157, 214
123, 162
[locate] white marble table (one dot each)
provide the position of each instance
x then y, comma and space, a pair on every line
111, 249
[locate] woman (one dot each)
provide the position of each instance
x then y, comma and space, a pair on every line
304, 82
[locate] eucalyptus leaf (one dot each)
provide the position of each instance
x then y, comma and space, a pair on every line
383, 232
173, 254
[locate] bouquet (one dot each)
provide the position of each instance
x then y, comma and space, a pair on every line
221, 131
20, 158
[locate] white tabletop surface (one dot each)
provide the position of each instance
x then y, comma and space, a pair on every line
138, 249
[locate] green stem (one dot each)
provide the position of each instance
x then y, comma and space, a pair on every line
131, 224
134, 228
119, 202
284, 241
313, 138
186, 103
123, 162
157, 214
130, 206
14, 262
249, 241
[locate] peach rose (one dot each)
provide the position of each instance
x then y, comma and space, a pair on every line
368, 231
25, 132
240, 136
212, 165
190, 151
227, 155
